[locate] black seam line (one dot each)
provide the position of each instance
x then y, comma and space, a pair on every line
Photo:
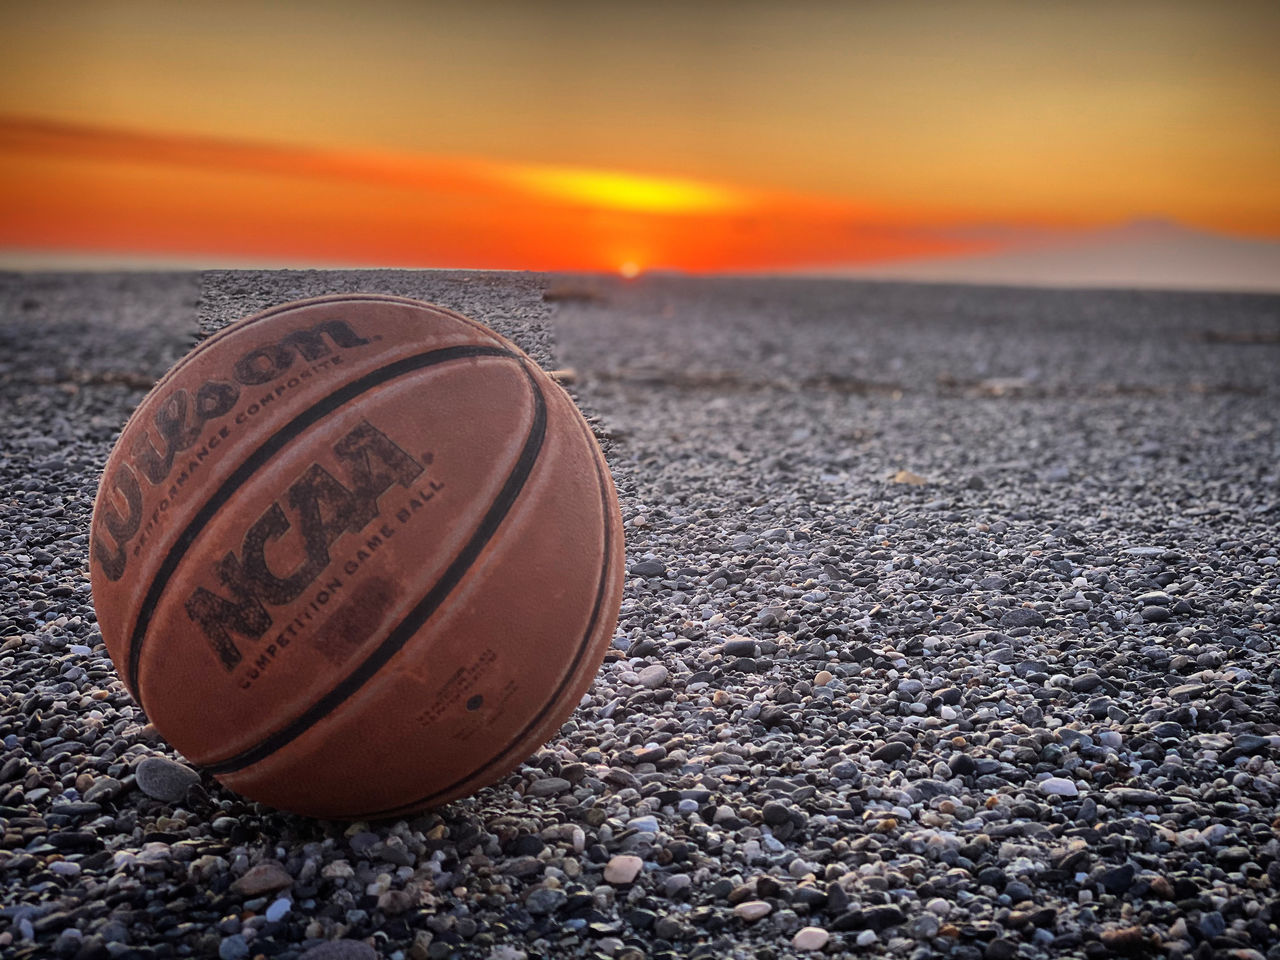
569, 677
236, 326
421, 612
273, 445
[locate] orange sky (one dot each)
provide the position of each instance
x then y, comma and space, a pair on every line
591, 136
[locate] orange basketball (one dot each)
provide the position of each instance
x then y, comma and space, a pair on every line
357, 556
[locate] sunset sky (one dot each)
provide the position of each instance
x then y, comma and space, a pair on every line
610, 136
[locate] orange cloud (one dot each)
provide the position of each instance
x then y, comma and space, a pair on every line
73, 188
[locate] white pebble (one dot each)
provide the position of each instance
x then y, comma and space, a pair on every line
1059, 787
810, 938
752, 910
866, 938
622, 869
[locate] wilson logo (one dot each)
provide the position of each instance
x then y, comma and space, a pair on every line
321, 508
184, 431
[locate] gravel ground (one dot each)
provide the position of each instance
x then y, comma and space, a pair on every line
950, 630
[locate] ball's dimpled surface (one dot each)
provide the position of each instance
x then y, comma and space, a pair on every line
357, 556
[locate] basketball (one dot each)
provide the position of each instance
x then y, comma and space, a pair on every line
356, 556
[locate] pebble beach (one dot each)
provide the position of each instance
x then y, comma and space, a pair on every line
951, 629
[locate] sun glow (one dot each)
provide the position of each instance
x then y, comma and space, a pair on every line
609, 189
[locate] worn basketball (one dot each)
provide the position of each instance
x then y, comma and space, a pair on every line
356, 556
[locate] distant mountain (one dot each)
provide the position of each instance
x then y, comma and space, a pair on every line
1144, 253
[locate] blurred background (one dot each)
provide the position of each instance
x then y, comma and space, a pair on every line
1105, 143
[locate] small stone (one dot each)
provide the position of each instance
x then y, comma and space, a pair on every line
776, 813
676, 885
1156, 614
866, 938
668, 928
1230, 858
544, 900
623, 869
882, 917
548, 787
808, 939
752, 910
1017, 891
163, 779
723, 813
739, 647
395, 902
649, 568
1059, 787
891, 752
104, 788
278, 909
1126, 940
1144, 551
233, 948
821, 680
1118, 879
1250, 743
1021, 617
845, 770
1132, 795
1212, 924
653, 676
924, 927
341, 950
266, 877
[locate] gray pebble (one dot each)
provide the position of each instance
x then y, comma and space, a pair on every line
164, 779
340, 950
648, 568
